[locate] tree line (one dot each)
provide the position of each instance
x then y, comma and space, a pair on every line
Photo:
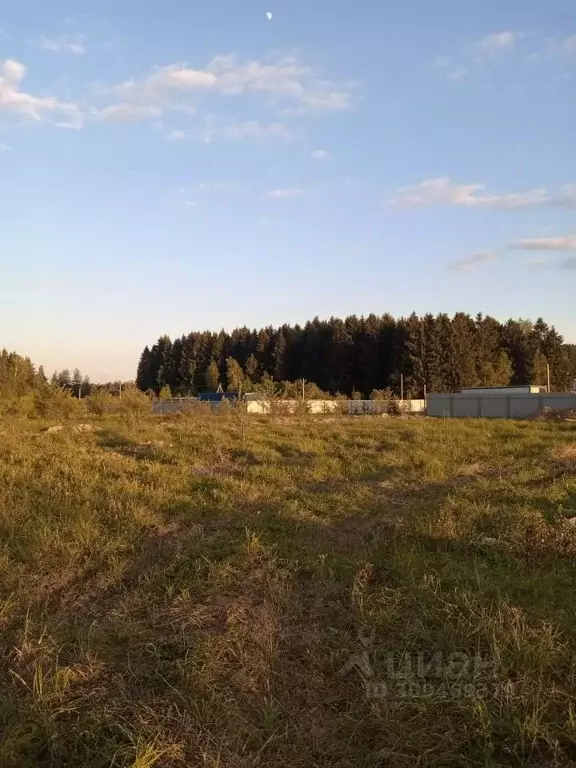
360, 355
19, 377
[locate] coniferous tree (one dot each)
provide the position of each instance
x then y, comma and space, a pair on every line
76, 384
86, 387
64, 379
144, 377
252, 369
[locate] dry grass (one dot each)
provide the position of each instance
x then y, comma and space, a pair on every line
230, 592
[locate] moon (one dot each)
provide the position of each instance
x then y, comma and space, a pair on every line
269, 16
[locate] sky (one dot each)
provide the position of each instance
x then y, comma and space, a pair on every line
179, 166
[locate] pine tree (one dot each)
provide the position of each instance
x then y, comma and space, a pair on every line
145, 380
252, 369
64, 380
279, 355
41, 376
86, 388
76, 383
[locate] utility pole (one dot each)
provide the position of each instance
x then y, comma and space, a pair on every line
303, 389
402, 387
120, 391
548, 376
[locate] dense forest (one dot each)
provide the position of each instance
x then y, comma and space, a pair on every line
364, 354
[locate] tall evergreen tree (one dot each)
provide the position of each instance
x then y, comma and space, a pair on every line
145, 379
252, 369
64, 379
76, 384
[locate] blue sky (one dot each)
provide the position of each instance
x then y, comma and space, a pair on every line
167, 167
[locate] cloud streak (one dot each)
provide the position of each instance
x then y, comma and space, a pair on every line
65, 44
471, 263
287, 193
445, 192
213, 129
567, 243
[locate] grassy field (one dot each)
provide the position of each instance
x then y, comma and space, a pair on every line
231, 592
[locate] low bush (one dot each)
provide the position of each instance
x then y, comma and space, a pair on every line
55, 403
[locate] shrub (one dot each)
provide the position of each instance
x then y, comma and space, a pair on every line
102, 402
165, 393
18, 406
55, 403
134, 405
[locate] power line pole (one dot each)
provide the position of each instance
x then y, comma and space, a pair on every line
548, 376
402, 386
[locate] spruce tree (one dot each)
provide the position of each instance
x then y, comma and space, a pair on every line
252, 369
41, 376
76, 384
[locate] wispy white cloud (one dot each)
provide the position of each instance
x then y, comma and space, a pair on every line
13, 99
190, 196
457, 73
128, 113
286, 193
476, 54
320, 154
67, 44
255, 130
495, 44
452, 70
566, 243
212, 129
444, 191
286, 80
471, 263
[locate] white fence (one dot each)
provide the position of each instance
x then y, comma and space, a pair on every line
350, 407
263, 407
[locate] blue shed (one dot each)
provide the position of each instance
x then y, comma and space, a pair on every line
216, 397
